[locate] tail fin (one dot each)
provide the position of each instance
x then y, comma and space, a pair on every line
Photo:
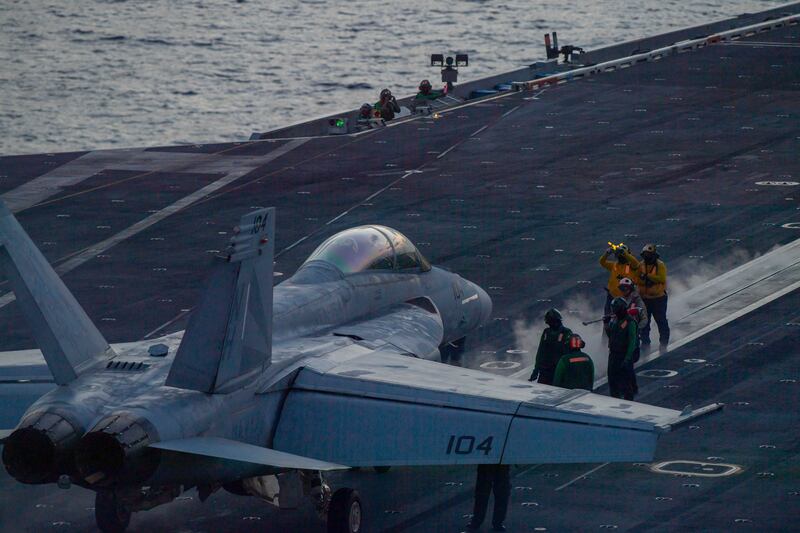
230, 333
69, 340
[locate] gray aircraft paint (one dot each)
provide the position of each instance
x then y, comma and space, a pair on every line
342, 382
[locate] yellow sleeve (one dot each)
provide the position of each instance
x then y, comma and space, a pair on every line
632, 260
605, 263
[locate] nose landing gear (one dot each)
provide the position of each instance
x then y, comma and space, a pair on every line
344, 512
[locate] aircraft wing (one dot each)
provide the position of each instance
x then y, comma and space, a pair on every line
387, 409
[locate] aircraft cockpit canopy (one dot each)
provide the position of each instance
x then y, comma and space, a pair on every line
370, 248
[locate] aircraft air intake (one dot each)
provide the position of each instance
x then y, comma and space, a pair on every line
116, 451
41, 448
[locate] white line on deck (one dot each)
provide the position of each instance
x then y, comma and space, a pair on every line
348, 210
479, 130
167, 323
582, 476
447, 151
92, 251
509, 111
761, 44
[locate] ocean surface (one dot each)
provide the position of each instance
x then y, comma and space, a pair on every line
88, 74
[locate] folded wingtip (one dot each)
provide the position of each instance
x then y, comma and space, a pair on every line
688, 415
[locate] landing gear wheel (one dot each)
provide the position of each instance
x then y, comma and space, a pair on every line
111, 515
381, 469
344, 513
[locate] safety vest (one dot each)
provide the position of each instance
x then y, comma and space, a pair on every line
622, 340
553, 344
617, 271
575, 370
656, 284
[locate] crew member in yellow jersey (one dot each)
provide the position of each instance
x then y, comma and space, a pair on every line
651, 279
625, 266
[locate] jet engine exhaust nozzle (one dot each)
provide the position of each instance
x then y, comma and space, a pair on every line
116, 450
41, 448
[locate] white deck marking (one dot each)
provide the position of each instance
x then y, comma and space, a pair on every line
348, 210
479, 130
140, 160
91, 251
761, 44
509, 111
167, 323
582, 476
448, 150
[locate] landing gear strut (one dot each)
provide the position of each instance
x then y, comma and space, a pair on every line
452, 351
111, 514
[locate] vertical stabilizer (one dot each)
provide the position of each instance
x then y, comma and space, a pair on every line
230, 332
69, 340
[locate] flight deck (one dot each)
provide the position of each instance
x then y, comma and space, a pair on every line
519, 192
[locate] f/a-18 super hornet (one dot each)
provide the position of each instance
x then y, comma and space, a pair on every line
270, 388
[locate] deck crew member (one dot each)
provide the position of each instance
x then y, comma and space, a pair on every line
387, 106
491, 478
426, 91
575, 369
652, 282
623, 340
553, 344
364, 115
625, 266
636, 305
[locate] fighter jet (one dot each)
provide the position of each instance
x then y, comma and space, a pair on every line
270, 388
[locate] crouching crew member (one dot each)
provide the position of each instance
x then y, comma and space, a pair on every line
575, 370
553, 344
623, 339
387, 106
652, 282
426, 91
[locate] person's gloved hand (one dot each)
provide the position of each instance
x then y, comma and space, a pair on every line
534, 375
606, 319
609, 251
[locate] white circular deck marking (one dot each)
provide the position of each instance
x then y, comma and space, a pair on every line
500, 365
778, 183
516, 352
791, 225
657, 373
695, 469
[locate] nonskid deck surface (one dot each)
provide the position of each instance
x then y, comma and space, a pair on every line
519, 194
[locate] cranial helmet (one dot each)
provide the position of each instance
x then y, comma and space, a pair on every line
553, 318
424, 84
625, 283
619, 306
649, 252
576, 342
385, 93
